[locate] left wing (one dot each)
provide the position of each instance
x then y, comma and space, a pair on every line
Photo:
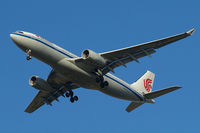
42, 97
122, 56
37, 102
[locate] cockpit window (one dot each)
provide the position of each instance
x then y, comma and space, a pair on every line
21, 32
28, 34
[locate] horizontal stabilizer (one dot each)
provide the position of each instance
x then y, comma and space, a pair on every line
133, 106
158, 93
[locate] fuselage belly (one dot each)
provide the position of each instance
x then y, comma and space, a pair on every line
59, 60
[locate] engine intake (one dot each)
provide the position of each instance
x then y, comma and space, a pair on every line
40, 84
93, 57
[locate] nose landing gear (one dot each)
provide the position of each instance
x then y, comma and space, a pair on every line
28, 57
28, 52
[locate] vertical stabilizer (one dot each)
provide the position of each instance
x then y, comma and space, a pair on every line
144, 84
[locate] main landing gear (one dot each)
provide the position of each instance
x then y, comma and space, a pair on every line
28, 52
70, 94
100, 79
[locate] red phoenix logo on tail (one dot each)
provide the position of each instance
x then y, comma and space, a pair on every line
147, 84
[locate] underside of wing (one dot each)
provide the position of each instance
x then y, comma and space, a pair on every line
144, 46
122, 56
61, 87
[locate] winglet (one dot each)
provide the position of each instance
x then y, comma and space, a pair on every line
190, 32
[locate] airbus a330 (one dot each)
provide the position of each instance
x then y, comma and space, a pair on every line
90, 71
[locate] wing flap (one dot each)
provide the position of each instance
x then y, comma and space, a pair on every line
128, 58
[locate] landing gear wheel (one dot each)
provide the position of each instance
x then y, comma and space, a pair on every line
28, 57
71, 93
71, 99
28, 52
106, 83
67, 94
75, 98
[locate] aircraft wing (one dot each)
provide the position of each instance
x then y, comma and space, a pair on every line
42, 97
122, 56
36, 102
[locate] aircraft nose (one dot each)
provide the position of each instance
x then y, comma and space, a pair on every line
18, 41
15, 39
12, 36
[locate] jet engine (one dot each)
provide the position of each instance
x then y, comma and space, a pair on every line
93, 57
40, 84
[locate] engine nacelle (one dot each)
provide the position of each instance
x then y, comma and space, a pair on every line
40, 84
93, 57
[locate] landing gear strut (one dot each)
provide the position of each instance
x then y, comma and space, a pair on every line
100, 79
28, 52
70, 94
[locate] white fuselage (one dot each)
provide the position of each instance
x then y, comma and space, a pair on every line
61, 61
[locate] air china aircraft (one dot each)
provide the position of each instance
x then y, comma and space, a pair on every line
90, 71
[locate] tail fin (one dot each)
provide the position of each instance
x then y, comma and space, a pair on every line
144, 84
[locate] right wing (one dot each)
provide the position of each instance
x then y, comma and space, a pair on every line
41, 98
122, 56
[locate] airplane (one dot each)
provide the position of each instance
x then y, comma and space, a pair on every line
90, 71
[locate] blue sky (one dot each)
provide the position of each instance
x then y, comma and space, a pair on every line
101, 26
